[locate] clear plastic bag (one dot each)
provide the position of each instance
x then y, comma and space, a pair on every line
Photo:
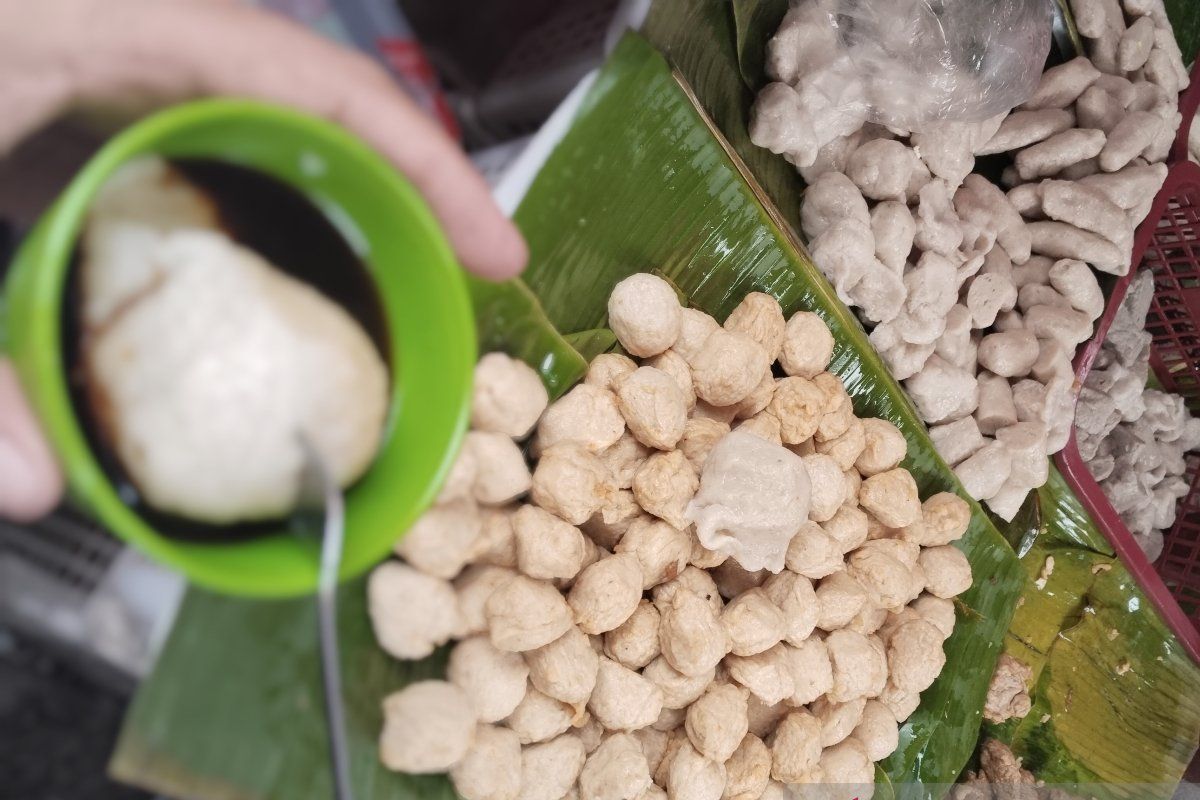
925, 60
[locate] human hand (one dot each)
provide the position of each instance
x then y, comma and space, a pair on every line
126, 56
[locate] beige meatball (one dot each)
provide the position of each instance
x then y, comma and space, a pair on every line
833, 390
606, 593
702, 557
868, 621
796, 747
678, 690
623, 700
491, 769
695, 580
607, 368
839, 599
654, 745
812, 673
847, 527
473, 588
807, 345
706, 410
892, 497
411, 613
944, 519
662, 550
717, 721
906, 553
644, 313
813, 553
937, 611
828, 486
508, 396
623, 459
728, 367
758, 399
694, 329
664, 485
617, 770
460, 483
759, 317
676, 738
653, 406
765, 426
846, 449
748, 770
836, 422
691, 636
794, 596
443, 539
501, 475
571, 483
878, 731
612, 520
694, 777
732, 579
848, 653
566, 668
847, 764
768, 675
797, 405
547, 547
853, 483
947, 571
886, 581
765, 718
753, 623
901, 703
587, 415
680, 371
550, 769
634, 643
838, 720
428, 726
493, 680
699, 437
885, 447
525, 614
915, 655
497, 542
540, 717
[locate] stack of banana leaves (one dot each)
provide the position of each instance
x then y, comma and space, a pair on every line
656, 173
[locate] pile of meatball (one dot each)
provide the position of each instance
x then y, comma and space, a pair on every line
632, 614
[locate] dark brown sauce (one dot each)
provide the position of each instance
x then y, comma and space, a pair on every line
288, 230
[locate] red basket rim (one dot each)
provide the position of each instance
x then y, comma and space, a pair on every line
1189, 101
1071, 464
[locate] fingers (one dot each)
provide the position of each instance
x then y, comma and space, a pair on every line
30, 481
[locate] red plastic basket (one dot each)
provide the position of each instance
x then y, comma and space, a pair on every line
1168, 244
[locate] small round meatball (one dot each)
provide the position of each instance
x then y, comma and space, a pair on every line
848, 653
836, 422
547, 548
853, 483
753, 623
623, 459
501, 474
915, 655
768, 675
617, 770
828, 486
765, 426
798, 406
759, 317
947, 571
654, 745
901, 703
694, 777
892, 497
539, 717
644, 313
634, 643
550, 769
796, 748
718, 720
748, 770
839, 599
623, 700
566, 668
460, 483
812, 674
612, 521
607, 368
525, 614
680, 371
813, 553
664, 485
442, 541
653, 407
728, 367
428, 726
694, 329
878, 731
497, 543
846, 449
508, 397
848, 527
758, 399
679, 691
493, 680
885, 447
793, 595
765, 718
833, 390
807, 345
571, 483
937, 611
885, 580
606, 593
491, 769
587, 415
837, 720
847, 764
699, 437
411, 613
944, 519
691, 636
473, 587
695, 580
662, 549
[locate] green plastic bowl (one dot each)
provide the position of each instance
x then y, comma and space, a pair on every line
420, 285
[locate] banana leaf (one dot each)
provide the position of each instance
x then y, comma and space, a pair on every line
1185, 19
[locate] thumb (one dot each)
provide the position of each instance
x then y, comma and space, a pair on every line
30, 480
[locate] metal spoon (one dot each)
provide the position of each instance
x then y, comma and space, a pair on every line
322, 509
